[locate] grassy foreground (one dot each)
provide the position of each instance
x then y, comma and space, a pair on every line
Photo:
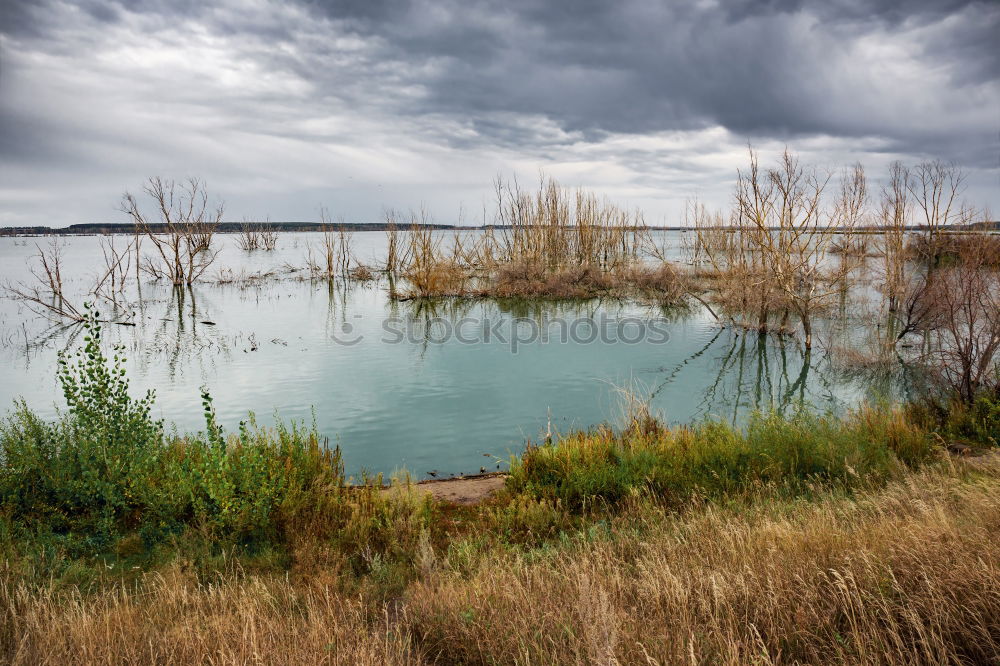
802, 539
909, 574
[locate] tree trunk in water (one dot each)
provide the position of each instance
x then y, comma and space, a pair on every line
762, 321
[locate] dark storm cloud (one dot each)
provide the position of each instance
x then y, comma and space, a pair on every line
891, 12
16, 18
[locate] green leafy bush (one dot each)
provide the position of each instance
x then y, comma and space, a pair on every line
84, 472
106, 470
976, 423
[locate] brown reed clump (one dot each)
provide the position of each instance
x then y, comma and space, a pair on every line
430, 272
529, 280
551, 243
361, 273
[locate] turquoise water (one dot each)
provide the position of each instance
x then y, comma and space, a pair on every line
447, 389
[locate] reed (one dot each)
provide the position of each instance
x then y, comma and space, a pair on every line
256, 236
557, 228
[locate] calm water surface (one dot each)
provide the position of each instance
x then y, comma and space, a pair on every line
450, 388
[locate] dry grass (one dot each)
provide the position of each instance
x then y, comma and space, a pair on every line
171, 618
526, 280
661, 283
908, 574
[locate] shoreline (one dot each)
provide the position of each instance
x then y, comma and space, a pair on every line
466, 490
117, 228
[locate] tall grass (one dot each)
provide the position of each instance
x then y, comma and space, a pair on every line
171, 617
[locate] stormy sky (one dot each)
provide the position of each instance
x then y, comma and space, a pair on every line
360, 105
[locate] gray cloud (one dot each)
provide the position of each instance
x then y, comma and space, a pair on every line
493, 84
775, 68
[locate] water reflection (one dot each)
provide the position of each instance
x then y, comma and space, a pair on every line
432, 400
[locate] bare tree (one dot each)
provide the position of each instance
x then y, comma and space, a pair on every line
966, 298
392, 258
894, 217
796, 248
111, 281
772, 259
45, 296
45, 293
935, 188
181, 229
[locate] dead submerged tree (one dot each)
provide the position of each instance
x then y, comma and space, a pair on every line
181, 230
935, 188
964, 301
918, 210
45, 294
771, 262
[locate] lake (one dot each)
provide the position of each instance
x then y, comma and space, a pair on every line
445, 388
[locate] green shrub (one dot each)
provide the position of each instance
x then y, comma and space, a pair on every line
977, 423
84, 472
105, 471
983, 423
715, 459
